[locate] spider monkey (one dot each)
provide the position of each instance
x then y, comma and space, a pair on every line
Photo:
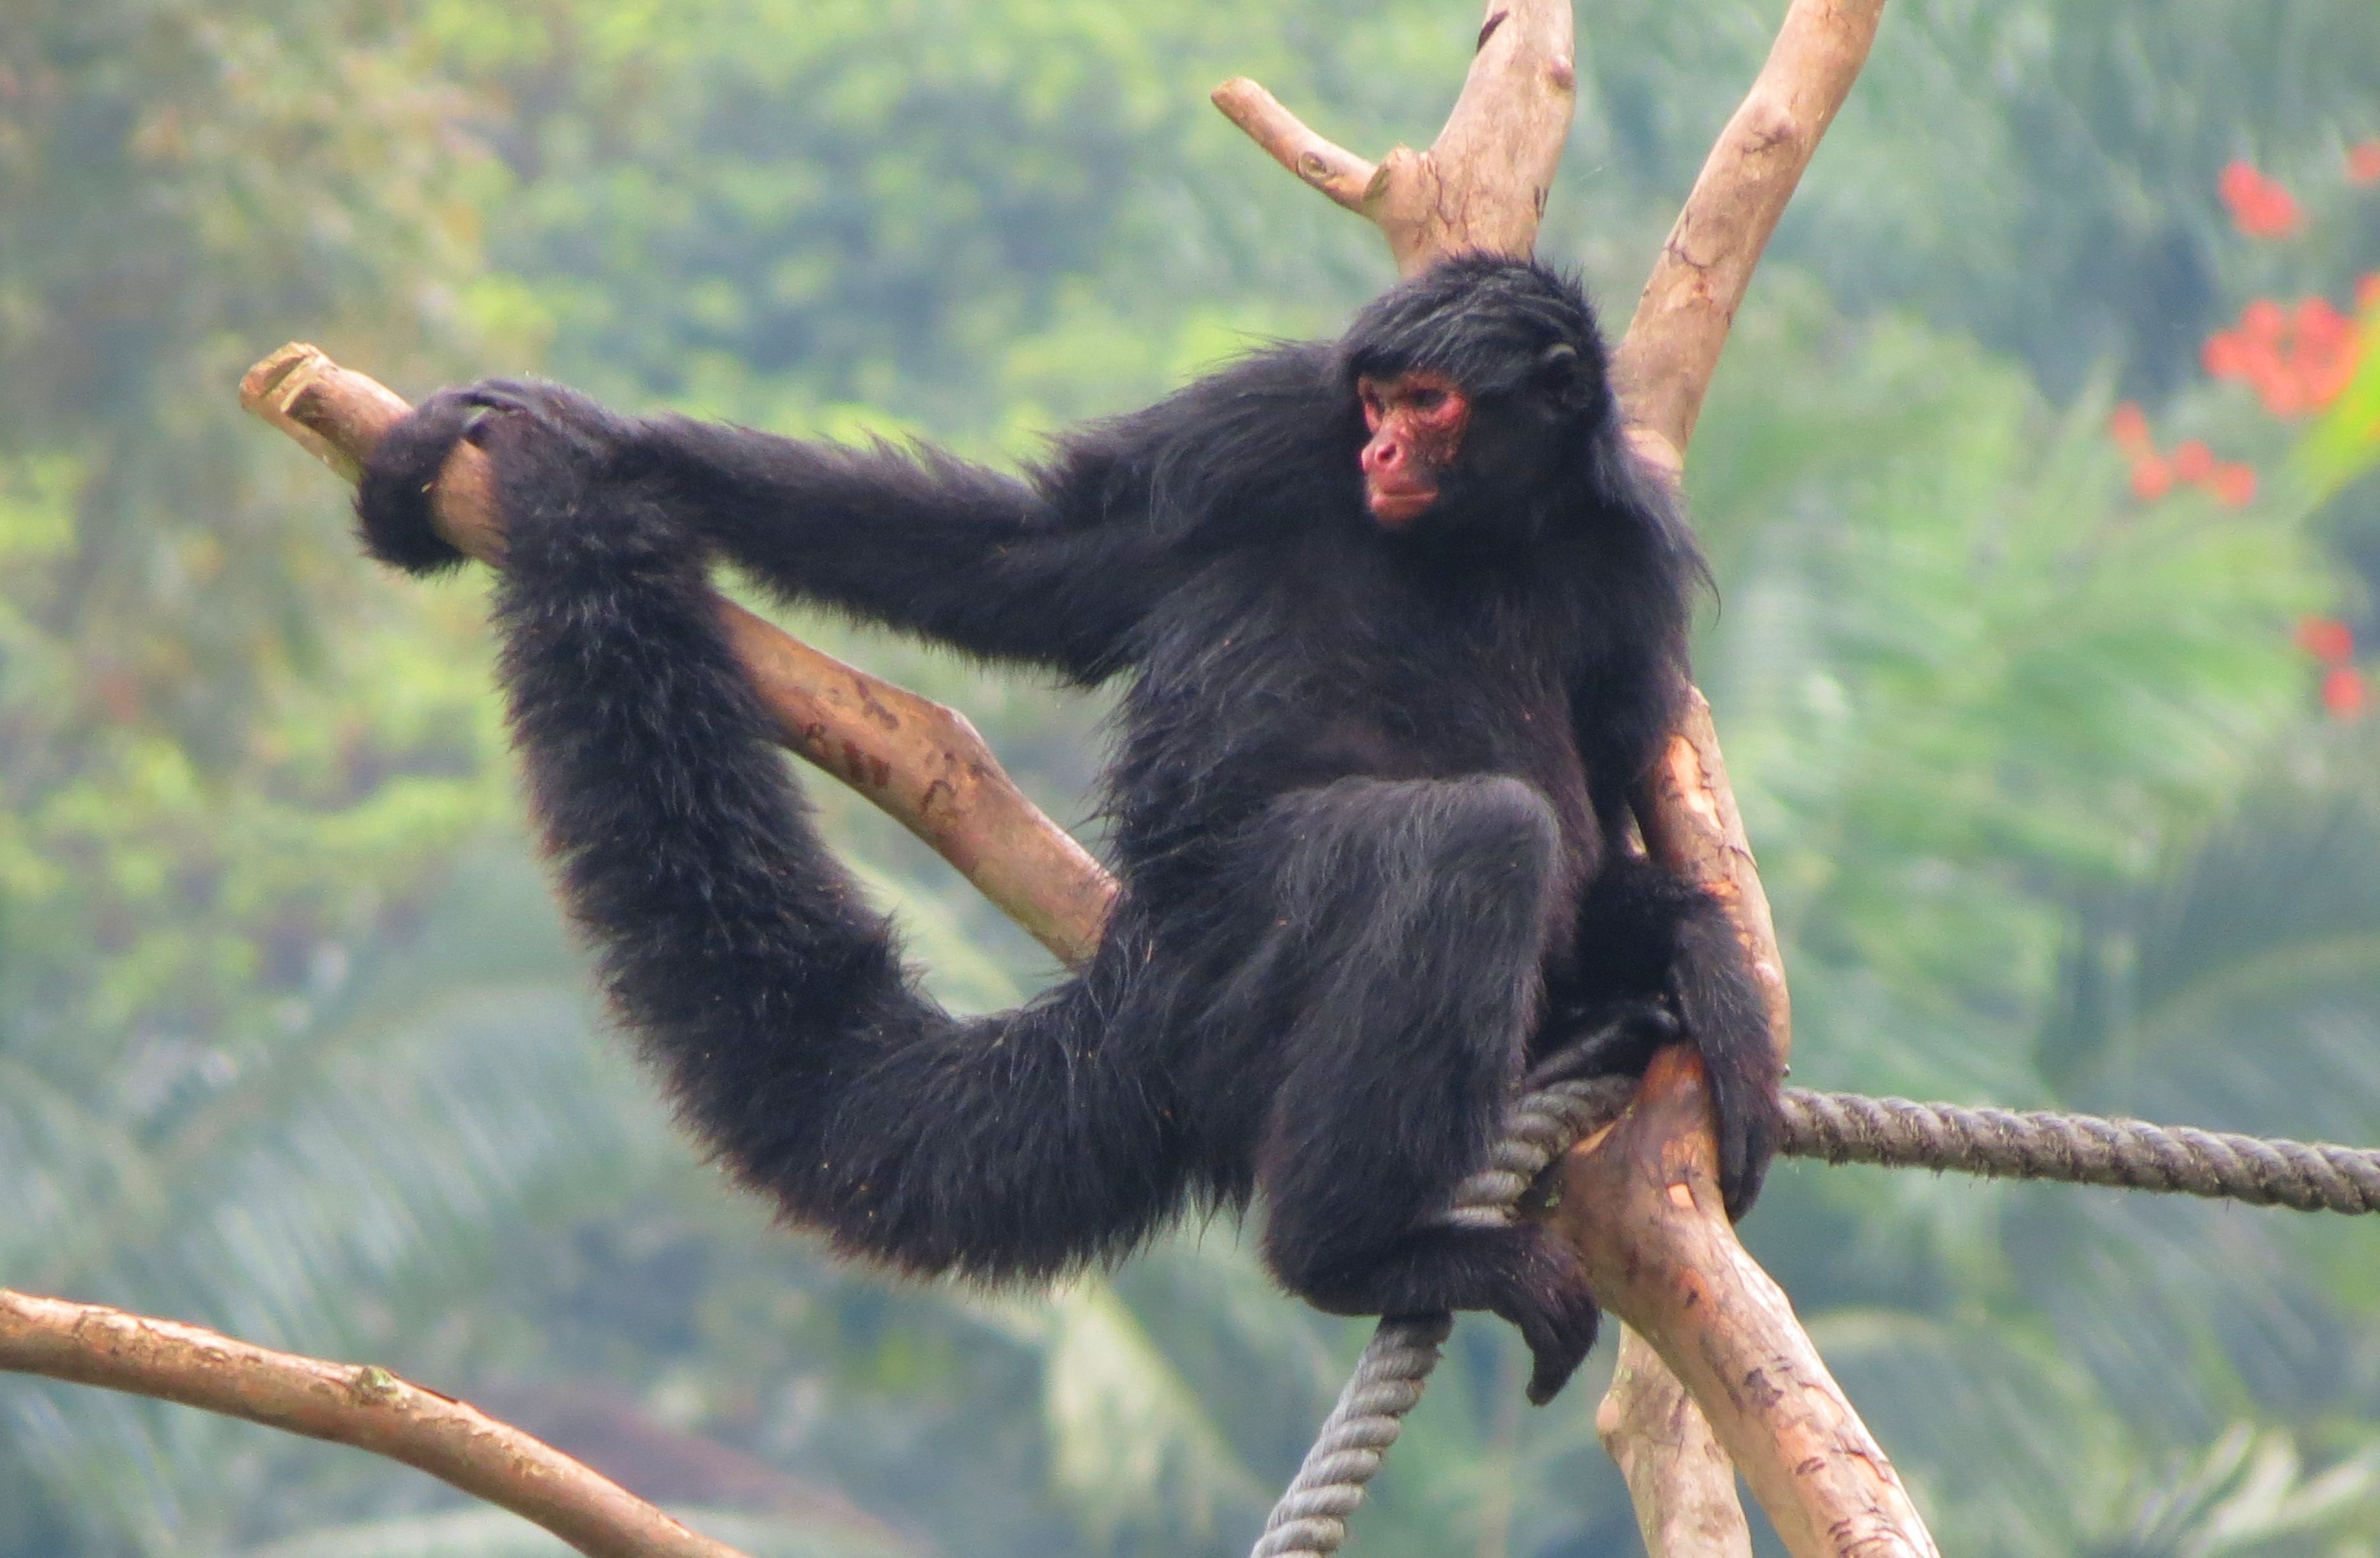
1401, 619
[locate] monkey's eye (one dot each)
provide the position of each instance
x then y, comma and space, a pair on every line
1425, 399
1558, 367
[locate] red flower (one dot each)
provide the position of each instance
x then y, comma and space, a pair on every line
2363, 162
2343, 693
2151, 479
2192, 462
2234, 486
2129, 426
2330, 641
2260, 207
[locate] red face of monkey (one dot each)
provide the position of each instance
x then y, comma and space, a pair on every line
1416, 420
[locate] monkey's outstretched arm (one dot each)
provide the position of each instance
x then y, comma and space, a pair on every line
913, 537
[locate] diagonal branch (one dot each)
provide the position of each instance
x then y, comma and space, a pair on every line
923, 763
1664, 364
358, 1405
1640, 1203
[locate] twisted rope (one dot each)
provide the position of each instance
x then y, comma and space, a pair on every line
2081, 1149
1310, 1521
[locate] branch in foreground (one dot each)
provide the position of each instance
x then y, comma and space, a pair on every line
358, 1404
1640, 1203
919, 760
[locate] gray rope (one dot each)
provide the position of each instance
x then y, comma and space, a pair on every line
1310, 1521
2081, 1149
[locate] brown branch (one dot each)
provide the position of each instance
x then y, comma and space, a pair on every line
921, 762
1679, 1477
1641, 1202
1482, 184
358, 1405
1329, 167
1687, 812
1664, 365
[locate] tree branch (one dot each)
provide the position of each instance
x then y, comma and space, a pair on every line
1679, 1477
923, 763
358, 1405
1482, 184
1664, 364
1641, 1202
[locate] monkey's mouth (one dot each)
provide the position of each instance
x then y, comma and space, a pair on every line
1396, 504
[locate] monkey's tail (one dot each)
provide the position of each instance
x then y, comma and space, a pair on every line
739, 952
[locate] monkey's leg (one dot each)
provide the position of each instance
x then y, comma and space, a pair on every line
1424, 907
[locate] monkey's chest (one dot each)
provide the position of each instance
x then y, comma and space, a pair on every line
1212, 741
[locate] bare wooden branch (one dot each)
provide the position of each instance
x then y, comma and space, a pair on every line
1641, 1204
1680, 1480
1482, 185
1329, 167
1664, 365
358, 1405
921, 762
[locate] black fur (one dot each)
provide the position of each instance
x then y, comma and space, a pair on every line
1368, 802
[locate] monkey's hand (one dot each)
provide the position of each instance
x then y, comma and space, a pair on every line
395, 500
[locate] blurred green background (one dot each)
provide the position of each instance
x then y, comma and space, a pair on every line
2048, 739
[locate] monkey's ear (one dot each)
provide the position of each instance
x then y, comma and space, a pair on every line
1557, 372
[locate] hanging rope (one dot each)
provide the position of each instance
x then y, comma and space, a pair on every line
1310, 1521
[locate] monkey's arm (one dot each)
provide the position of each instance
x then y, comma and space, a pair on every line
1054, 572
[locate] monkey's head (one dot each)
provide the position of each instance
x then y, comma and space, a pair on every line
1481, 384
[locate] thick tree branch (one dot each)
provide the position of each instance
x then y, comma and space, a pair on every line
1683, 1489
921, 762
1481, 186
348, 1404
1641, 1202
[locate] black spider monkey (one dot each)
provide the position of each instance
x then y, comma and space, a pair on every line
1404, 620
